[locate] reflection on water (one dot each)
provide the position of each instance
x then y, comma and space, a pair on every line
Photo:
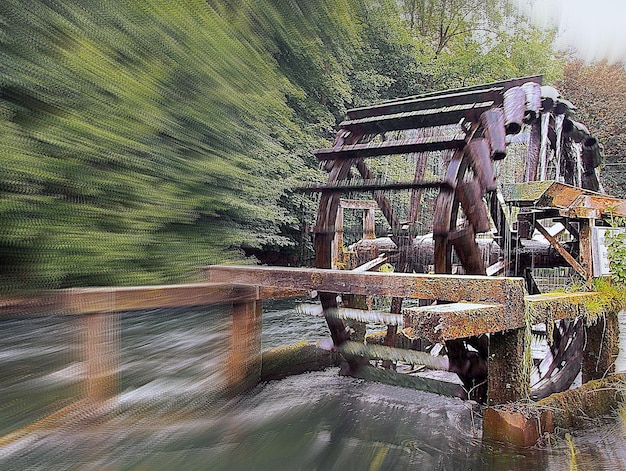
168, 415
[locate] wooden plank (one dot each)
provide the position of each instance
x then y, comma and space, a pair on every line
372, 264
460, 320
406, 146
370, 185
117, 299
504, 84
555, 306
428, 102
416, 119
497, 267
409, 285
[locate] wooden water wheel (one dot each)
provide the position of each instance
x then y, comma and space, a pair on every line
465, 132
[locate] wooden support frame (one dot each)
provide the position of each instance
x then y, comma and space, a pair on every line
564, 253
243, 369
99, 311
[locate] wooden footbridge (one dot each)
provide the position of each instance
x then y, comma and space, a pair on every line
480, 305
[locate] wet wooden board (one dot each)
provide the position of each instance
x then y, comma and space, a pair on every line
427, 102
416, 119
375, 149
460, 320
130, 298
452, 288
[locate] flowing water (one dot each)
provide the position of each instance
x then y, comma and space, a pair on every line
169, 416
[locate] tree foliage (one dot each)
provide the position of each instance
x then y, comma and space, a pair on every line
599, 92
141, 139
468, 42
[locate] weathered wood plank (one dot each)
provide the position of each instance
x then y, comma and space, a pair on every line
416, 119
560, 249
452, 288
451, 96
423, 144
556, 306
428, 102
117, 299
365, 186
460, 320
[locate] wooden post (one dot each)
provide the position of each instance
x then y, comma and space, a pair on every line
584, 243
369, 226
244, 359
337, 244
101, 350
601, 348
506, 361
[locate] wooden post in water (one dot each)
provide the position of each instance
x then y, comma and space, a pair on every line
101, 349
243, 367
506, 360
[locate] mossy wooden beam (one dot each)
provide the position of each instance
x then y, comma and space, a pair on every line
598, 398
280, 362
459, 320
523, 423
452, 288
420, 383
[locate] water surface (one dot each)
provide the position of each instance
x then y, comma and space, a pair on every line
169, 414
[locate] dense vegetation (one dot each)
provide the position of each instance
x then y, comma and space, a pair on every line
599, 91
143, 138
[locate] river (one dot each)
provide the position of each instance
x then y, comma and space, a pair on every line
168, 416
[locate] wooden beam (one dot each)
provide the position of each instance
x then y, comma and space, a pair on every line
460, 320
427, 102
451, 96
376, 149
371, 265
369, 185
243, 369
505, 378
556, 306
418, 286
559, 248
131, 298
416, 119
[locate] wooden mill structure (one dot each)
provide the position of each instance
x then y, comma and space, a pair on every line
460, 218
470, 283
